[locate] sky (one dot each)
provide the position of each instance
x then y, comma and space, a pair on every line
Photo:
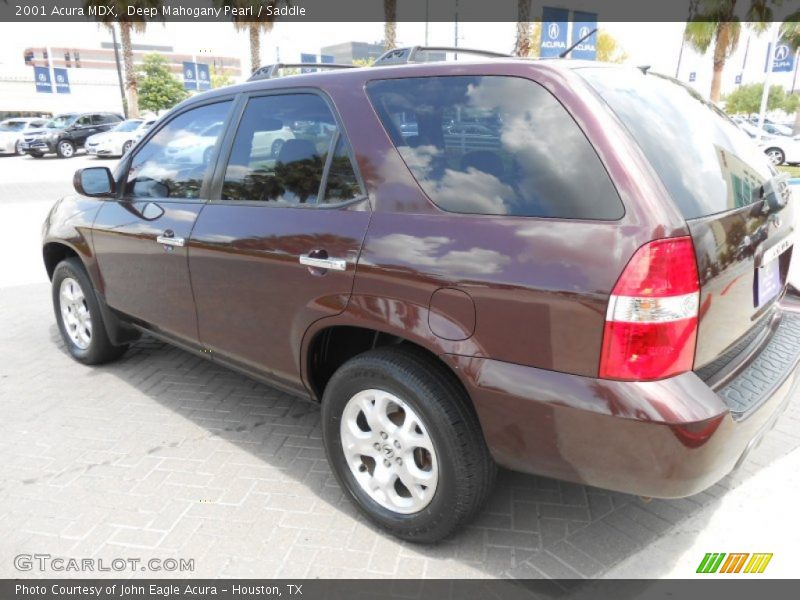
654, 44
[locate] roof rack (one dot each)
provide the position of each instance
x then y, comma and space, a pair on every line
270, 71
399, 56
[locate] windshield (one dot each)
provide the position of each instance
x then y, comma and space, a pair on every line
61, 121
707, 163
12, 126
127, 126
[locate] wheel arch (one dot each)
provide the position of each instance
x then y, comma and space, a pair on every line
329, 347
54, 252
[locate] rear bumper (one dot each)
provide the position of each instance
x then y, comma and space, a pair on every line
667, 439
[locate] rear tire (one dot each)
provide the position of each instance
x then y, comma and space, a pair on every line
421, 431
78, 315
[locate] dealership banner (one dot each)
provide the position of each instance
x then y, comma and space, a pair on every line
584, 22
782, 58
555, 25
41, 76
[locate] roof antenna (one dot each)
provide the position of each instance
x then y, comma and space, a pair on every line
580, 41
644, 68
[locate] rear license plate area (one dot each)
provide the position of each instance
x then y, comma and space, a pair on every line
768, 281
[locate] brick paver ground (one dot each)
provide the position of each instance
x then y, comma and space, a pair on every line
163, 454
166, 455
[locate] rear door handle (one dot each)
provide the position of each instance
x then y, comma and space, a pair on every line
168, 239
336, 264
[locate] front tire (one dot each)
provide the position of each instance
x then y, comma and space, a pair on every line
78, 315
65, 149
405, 444
18, 149
126, 147
775, 155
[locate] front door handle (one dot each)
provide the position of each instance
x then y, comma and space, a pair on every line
168, 239
336, 264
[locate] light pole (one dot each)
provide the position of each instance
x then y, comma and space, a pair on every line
119, 72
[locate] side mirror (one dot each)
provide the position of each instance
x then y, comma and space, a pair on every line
96, 182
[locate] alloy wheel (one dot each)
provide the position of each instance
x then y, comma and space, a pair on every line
389, 451
75, 313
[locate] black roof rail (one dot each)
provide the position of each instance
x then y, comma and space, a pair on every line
400, 56
270, 71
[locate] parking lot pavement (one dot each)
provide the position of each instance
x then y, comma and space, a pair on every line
165, 455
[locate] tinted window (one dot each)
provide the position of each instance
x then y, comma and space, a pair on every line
174, 162
84, 121
105, 119
494, 145
281, 149
12, 126
342, 184
706, 162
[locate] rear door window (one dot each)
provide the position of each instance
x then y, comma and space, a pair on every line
707, 163
494, 145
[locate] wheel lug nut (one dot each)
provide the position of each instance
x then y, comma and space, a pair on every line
397, 444
386, 463
383, 435
377, 446
399, 461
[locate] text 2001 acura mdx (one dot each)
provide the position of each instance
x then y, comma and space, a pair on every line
592, 288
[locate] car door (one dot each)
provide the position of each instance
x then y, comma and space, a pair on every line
140, 239
276, 247
82, 129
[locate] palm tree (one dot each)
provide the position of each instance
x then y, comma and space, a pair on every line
715, 21
253, 28
522, 46
790, 33
390, 24
127, 25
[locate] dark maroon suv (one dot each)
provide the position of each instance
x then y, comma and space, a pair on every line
564, 268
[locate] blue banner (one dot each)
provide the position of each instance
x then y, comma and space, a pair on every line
782, 58
189, 76
554, 31
42, 77
584, 23
326, 59
308, 58
62, 81
203, 77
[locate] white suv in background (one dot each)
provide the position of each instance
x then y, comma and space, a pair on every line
12, 130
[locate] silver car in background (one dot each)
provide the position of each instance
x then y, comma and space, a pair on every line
120, 139
12, 130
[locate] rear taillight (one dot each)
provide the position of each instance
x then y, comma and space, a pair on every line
651, 322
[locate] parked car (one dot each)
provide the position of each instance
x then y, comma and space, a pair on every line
119, 139
600, 298
12, 131
780, 149
65, 133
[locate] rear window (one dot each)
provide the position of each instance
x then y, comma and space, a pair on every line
707, 163
494, 145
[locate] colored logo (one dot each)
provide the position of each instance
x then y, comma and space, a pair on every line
742, 562
553, 30
781, 52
